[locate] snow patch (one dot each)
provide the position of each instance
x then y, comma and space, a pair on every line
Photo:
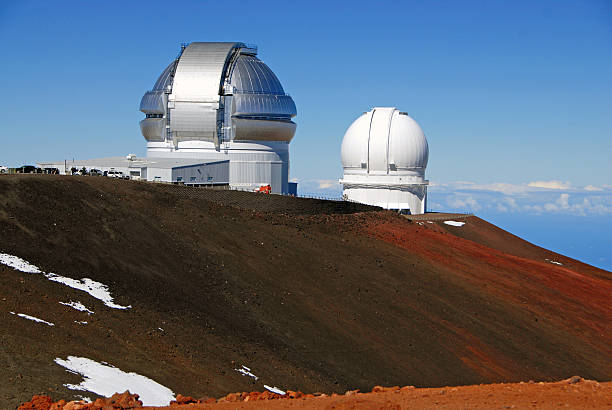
274, 389
245, 371
96, 289
107, 380
454, 223
35, 319
18, 263
555, 262
80, 322
78, 306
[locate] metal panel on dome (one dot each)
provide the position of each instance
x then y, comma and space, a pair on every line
165, 78
378, 141
192, 120
154, 102
263, 130
252, 76
197, 81
200, 70
275, 106
153, 129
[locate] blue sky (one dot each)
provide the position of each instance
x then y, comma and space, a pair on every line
509, 93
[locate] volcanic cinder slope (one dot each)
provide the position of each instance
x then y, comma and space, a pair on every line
310, 295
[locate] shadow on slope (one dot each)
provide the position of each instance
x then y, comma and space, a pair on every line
310, 295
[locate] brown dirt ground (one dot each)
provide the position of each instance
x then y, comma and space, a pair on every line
570, 393
311, 295
583, 395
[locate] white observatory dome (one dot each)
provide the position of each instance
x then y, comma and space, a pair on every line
385, 141
384, 156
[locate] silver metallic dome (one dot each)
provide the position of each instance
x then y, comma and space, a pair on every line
253, 76
217, 92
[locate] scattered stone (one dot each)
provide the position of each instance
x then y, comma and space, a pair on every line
58, 405
38, 402
381, 389
180, 399
574, 380
81, 405
294, 394
124, 400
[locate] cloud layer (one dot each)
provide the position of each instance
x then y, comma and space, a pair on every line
537, 197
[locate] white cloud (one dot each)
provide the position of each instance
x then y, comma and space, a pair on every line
592, 188
328, 183
464, 203
550, 184
510, 198
501, 208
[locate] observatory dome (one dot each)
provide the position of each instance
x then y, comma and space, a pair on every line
385, 141
384, 156
218, 101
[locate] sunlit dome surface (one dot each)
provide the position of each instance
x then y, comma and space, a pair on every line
385, 141
384, 156
217, 101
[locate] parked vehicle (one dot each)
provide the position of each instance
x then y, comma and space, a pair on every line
4, 170
28, 169
115, 174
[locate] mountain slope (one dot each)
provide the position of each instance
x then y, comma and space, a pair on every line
310, 295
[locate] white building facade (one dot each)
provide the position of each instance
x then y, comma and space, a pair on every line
384, 156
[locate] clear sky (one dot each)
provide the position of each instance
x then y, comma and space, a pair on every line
515, 97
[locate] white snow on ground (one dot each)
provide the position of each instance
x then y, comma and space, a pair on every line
555, 262
80, 323
274, 389
454, 223
23, 315
18, 263
108, 380
245, 371
78, 306
96, 289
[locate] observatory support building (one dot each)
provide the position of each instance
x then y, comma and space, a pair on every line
217, 102
384, 156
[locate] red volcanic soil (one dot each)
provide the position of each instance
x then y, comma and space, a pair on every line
574, 392
315, 296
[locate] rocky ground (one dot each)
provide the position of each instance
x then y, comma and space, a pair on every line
574, 392
311, 296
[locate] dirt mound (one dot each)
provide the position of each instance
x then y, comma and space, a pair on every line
303, 296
